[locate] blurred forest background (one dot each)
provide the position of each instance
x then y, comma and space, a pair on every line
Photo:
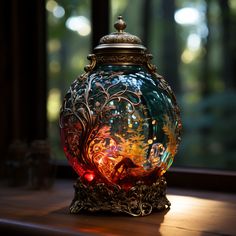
194, 47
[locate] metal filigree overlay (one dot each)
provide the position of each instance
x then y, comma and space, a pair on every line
120, 129
120, 36
124, 59
140, 200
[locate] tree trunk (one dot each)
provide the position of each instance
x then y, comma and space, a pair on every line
100, 20
169, 42
205, 79
146, 22
227, 49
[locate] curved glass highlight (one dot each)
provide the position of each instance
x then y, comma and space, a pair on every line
120, 125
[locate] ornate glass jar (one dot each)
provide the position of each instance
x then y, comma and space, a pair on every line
120, 129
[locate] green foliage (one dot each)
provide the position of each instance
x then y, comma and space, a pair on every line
209, 133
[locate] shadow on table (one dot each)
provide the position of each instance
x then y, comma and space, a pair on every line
107, 223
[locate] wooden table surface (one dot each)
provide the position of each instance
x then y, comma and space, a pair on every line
28, 212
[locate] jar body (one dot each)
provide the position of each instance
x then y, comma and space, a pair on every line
120, 124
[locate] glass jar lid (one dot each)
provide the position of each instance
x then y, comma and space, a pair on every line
120, 39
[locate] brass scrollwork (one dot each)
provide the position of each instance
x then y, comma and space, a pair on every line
140, 200
121, 59
150, 66
93, 62
88, 68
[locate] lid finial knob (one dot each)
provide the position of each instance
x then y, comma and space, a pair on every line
120, 24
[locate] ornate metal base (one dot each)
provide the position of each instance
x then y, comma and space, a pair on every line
140, 200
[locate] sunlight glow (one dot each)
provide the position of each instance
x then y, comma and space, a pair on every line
193, 42
54, 66
51, 4
187, 16
53, 104
182, 203
81, 24
58, 12
188, 56
53, 45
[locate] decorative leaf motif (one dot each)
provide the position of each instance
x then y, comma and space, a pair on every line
169, 130
117, 148
91, 118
